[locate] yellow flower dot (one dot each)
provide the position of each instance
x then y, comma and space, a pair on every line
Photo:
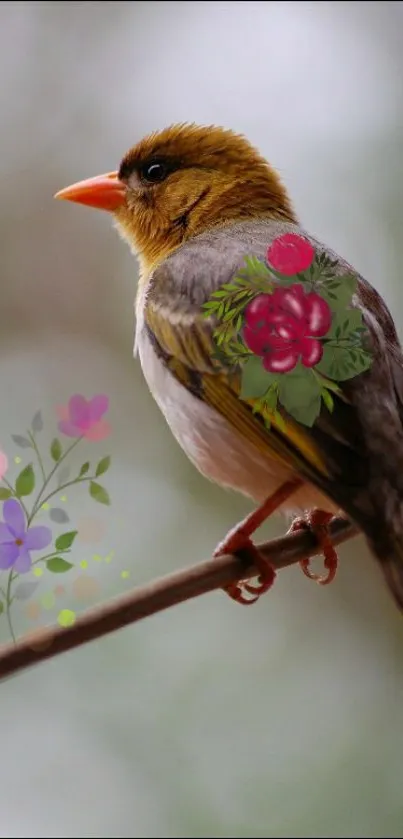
66, 617
38, 572
45, 506
108, 558
97, 557
17, 459
63, 498
125, 575
84, 563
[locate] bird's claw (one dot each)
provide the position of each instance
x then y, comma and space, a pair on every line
317, 521
239, 543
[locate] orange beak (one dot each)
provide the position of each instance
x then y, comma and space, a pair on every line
104, 192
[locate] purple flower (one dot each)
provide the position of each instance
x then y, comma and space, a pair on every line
17, 540
82, 417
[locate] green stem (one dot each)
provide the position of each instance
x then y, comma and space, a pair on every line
39, 499
8, 605
10, 600
49, 556
36, 450
342, 342
14, 574
68, 484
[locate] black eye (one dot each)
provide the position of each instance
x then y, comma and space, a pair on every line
154, 172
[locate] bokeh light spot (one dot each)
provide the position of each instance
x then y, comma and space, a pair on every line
66, 617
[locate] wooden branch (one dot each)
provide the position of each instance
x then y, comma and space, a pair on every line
158, 595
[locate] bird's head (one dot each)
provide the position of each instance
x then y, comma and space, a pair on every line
181, 181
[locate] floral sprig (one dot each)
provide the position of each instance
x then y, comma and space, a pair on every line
79, 420
289, 323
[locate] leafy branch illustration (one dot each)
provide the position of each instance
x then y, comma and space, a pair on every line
79, 420
230, 300
290, 325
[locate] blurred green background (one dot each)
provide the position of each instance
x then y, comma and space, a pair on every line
208, 720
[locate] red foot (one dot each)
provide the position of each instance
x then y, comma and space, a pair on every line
239, 540
317, 522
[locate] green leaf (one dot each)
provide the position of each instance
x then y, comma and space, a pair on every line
220, 357
285, 279
344, 323
256, 266
328, 399
103, 466
5, 493
1, 607
58, 515
98, 493
307, 414
255, 379
56, 449
84, 469
24, 590
21, 441
210, 305
37, 422
280, 421
218, 294
270, 398
267, 403
338, 291
63, 476
337, 362
325, 382
65, 540
58, 565
300, 395
208, 309
25, 482
305, 276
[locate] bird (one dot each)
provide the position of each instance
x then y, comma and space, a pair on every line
193, 202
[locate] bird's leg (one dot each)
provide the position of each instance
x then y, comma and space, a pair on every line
317, 521
239, 540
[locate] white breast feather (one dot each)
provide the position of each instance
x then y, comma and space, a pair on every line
210, 442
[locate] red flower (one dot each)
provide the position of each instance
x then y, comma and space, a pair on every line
290, 253
283, 328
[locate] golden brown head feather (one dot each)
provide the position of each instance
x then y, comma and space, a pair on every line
209, 176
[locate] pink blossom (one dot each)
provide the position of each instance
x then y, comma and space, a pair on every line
82, 417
